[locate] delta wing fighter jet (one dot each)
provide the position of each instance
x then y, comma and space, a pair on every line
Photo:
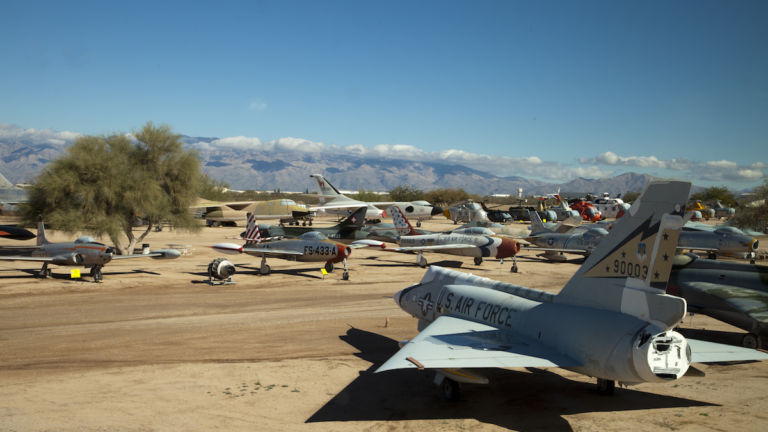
481, 246
611, 321
732, 292
83, 252
579, 240
335, 202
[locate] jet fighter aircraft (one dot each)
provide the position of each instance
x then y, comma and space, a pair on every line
722, 240
732, 292
311, 246
456, 243
579, 240
335, 202
611, 321
83, 252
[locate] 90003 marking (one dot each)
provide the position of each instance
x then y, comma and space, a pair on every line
630, 269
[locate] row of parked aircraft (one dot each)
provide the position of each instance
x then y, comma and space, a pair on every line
612, 320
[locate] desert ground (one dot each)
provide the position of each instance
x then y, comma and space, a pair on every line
155, 347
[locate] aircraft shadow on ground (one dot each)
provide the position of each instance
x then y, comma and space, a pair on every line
533, 399
390, 263
65, 275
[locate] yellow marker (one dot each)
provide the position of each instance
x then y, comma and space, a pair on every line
74, 273
325, 272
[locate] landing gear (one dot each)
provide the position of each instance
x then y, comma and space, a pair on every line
514, 266
478, 260
450, 390
421, 261
345, 275
329, 267
418, 223
45, 271
751, 340
96, 273
605, 387
264, 268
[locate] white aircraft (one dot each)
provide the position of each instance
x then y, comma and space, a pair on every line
334, 202
612, 321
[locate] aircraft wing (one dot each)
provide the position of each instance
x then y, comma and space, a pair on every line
457, 246
750, 302
573, 251
26, 258
705, 249
710, 352
339, 206
451, 342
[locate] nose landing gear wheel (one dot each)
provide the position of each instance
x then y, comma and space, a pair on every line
478, 260
450, 389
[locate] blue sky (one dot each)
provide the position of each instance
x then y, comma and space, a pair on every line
541, 89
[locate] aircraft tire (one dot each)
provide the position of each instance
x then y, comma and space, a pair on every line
266, 270
329, 267
450, 390
418, 224
751, 340
478, 260
605, 387
345, 275
422, 262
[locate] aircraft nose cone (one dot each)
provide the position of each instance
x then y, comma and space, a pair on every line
397, 296
508, 248
436, 210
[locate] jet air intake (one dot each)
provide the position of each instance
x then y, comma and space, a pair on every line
72, 259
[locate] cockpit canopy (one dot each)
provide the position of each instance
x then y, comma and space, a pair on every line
313, 235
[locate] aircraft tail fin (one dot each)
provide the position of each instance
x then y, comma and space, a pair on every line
41, 240
356, 219
325, 187
628, 271
402, 225
537, 225
252, 234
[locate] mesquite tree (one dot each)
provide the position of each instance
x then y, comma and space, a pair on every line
105, 184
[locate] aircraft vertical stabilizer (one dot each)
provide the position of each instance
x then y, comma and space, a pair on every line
629, 269
402, 225
537, 225
252, 234
326, 188
356, 219
41, 240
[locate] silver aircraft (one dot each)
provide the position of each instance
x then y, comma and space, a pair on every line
580, 240
83, 252
474, 242
311, 246
334, 202
611, 321
722, 240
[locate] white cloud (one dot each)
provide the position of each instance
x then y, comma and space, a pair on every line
713, 171
11, 132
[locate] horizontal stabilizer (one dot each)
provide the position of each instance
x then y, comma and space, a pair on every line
451, 342
710, 352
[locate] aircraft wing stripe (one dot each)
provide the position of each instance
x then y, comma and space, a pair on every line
26, 258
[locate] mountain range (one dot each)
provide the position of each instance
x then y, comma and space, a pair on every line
288, 170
